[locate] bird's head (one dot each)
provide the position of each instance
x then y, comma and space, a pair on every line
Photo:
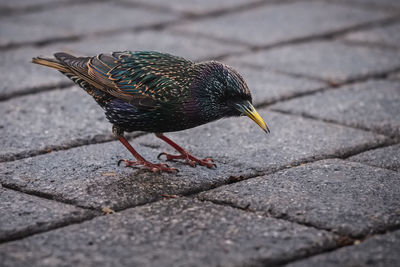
228, 92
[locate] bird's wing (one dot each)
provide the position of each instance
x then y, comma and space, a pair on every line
144, 79
141, 77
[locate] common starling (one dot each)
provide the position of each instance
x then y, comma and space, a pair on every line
158, 92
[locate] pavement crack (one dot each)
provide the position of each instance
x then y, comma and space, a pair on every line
44, 195
99, 139
341, 241
79, 37
156, 26
35, 90
51, 5
305, 39
335, 122
345, 241
28, 232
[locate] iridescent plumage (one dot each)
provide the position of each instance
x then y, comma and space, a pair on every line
157, 92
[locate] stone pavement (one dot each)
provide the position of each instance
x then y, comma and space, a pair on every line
322, 189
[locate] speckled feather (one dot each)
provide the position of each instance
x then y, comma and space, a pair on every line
152, 91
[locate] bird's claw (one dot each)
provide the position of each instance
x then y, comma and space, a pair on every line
191, 160
162, 167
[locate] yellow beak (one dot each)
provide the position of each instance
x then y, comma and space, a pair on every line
248, 110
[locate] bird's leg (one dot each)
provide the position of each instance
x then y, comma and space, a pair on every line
190, 159
139, 159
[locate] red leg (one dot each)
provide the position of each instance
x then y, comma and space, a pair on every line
141, 161
190, 159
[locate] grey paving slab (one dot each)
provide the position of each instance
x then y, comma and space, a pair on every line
170, 233
268, 87
283, 22
333, 61
379, 3
75, 20
18, 4
196, 7
378, 251
22, 214
17, 62
386, 157
372, 105
348, 198
89, 176
388, 36
395, 76
58, 119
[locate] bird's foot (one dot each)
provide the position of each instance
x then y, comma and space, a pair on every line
148, 165
191, 160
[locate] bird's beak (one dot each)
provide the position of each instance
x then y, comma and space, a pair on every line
247, 109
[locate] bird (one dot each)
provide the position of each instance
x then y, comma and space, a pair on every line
158, 92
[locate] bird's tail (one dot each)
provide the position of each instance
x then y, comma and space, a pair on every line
52, 63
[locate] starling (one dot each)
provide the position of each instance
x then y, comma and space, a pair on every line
158, 92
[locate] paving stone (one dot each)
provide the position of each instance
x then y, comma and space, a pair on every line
386, 157
23, 3
57, 119
170, 233
388, 36
22, 214
283, 22
18, 4
378, 251
11, 7
372, 105
87, 19
267, 87
348, 198
390, 4
395, 76
18, 61
196, 7
89, 176
18, 73
333, 61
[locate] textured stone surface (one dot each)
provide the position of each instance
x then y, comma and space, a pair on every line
22, 3
87, 19
170, 233
350, 197
18, 61
332, 61
386, 157
395, 76
346, 197
267, 87
378, 251
389, 4
388, 36
373, 105
14, 63
22, 214
28, 4
61, 118
277, 23
195, 7
191, 47
89, 176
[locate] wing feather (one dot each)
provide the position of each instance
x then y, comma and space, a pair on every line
144, 78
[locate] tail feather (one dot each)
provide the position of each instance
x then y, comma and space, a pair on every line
52, 63
76, 69
77, 63
73, 67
